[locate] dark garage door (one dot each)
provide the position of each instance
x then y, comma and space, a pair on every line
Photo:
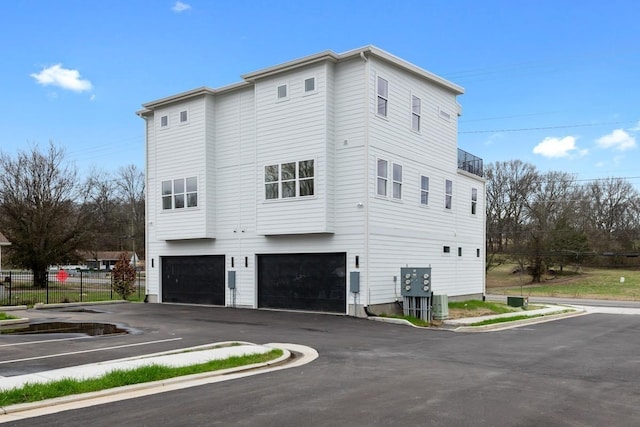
193, 279
315, 282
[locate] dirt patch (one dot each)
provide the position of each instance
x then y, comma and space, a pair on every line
459, 313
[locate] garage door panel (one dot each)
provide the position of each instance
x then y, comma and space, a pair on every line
194, 279
315, 282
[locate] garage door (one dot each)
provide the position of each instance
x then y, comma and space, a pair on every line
193, 279
315, 282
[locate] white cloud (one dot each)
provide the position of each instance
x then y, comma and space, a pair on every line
557, 147
62, 77
618, 140
180, 7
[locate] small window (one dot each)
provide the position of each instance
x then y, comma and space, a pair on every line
446, 249
448, 194
383, 176
383, 96
184, 117
167, 192
178, 193
415, 113
474, 200
164, 121
282, 92
288, 179
424, 190
459, 251
310, 85
192, 192
397, 181
306, 174
271, 174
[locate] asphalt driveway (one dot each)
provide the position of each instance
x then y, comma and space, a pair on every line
576, 371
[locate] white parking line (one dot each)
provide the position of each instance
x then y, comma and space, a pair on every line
87, 351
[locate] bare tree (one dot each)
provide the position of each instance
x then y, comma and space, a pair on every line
130, 188
43, 209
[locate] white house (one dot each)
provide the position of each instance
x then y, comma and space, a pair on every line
270, 192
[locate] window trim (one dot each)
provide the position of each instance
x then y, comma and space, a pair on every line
424, 191
474, 201
448, 195
286, 88
415, 114
297, 180
185, 194
315, 85
384, 97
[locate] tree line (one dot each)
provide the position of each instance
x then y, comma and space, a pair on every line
51, 214
545, 220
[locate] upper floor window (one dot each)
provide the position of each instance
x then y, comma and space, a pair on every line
382, 178
424, 190
164, 121
448, 194
310, 85
415, 113
474, 200
180, 193
282, 92
383, 96
288, 180
397, 181
184, 116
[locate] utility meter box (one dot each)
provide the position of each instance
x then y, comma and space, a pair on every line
415, 282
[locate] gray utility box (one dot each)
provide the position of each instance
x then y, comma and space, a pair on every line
440, 307
415, 282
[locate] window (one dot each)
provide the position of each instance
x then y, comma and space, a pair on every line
383, 176
282, 92
289, 180
448, 193
310, 85
446, 249
180, 193
383, 96
184, 117
164, 121
415, 113
474, 200
424, 190
397, 181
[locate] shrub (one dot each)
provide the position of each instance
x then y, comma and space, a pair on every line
123, 277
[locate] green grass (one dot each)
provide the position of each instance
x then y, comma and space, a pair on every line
596, 283
505, 319
119, 378
478, 305
5, 316
411, 319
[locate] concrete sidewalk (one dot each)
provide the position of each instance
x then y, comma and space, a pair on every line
547, 310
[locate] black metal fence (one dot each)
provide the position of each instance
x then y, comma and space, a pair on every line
17, 288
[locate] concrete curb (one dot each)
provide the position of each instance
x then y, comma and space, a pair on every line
521, 322
8, 323
43, 306
13, 307
145, 388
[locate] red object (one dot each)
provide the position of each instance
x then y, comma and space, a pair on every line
62, 276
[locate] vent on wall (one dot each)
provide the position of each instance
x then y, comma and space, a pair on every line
444, 115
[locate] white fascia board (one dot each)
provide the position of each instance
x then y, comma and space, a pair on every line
327, 55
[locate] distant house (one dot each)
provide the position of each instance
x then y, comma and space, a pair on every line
105, 260
309, 185
3, 242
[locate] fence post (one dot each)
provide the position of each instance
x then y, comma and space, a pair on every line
46, 284
111, 287
81, 276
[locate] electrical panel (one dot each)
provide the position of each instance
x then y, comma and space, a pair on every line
415, 282
231, 279
354, 282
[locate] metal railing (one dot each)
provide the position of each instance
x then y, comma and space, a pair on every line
470, 163
17, 288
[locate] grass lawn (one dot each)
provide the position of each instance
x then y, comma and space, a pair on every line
595, 283
5, 316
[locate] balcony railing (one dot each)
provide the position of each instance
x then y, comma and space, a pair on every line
469, 163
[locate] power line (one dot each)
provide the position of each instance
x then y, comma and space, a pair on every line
545, 127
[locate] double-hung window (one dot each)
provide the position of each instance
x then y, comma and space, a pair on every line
415, 113
474, 200
397, 181
424, 190
382, 178
383, 96
448, 194
180, 193
289, 180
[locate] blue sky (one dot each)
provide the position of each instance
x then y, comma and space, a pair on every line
553, 83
